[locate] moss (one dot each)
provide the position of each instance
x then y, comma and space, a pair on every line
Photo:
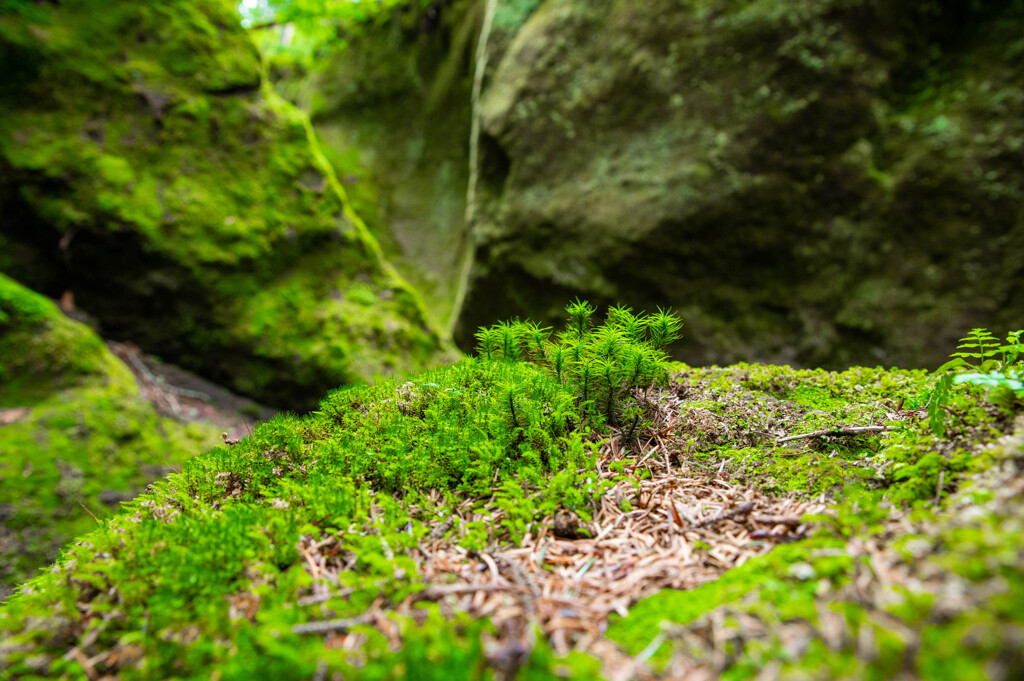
376, 471
405, 166
952, 597
41, 350
929, 631
85, 440
770, 574
211, 531
170, 174
451, 429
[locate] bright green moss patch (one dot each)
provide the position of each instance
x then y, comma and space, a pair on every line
83, 439
231, 521
463, 428
42, 351
315, 545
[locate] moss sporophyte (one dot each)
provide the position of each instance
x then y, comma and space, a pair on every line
509, 514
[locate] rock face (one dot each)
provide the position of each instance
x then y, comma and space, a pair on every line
820, 182
146, 167
392, 113
75, 436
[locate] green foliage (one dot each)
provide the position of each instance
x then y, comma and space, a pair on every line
986, 351
981, 360
374, 467
317, 26
1002, 374
1009, 380
603, 364
937, 404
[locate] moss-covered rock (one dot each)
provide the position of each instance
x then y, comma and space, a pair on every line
146, 166
935, 595
391, 111
75, 436
376, 536
826, 183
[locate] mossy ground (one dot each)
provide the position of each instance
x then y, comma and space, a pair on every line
873, 594
230, 523
291, 552
79, 438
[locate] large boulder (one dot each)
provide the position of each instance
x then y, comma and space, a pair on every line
819, 182
146, 167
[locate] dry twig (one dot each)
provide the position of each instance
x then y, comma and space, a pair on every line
836, 432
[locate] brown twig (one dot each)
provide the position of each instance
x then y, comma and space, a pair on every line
836, 432
330, 625
725, 515
86, 509
436, 592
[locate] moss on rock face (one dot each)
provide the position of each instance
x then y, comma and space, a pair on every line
75, 436
150, 170
391, 111
806, 182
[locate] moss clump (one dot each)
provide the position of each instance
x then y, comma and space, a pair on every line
150, 170
940, 599
81, 440
464, 428
890, 583
376, 469
736, 417
231, 521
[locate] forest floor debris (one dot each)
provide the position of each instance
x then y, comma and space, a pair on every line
682, 526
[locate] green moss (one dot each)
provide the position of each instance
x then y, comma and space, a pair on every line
377, 470
213, 530
188, 187
41, 350
956, 612
453, 429
85, 440
771, 575
404, 167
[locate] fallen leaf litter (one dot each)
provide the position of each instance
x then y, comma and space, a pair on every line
682, 527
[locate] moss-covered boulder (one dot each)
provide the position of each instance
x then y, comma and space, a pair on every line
75, 436
484, 520
822, 182
146, 167
392, 112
